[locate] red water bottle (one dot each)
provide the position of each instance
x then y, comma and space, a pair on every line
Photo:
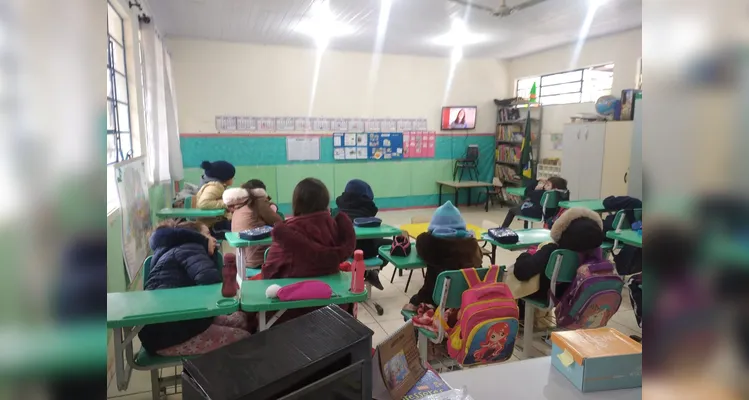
357, 274
230, 285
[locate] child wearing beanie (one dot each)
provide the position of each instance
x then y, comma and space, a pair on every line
447, 245
217, 177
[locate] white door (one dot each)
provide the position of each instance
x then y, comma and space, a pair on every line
592, 139
571, 163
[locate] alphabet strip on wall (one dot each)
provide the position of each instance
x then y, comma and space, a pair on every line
248, 124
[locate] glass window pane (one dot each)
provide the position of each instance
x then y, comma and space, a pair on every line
109, 84
594, 95
563, 77
111, 152
110, 116
114, 24
126, 144
113, 200
119, 57
560, 89
121, 87
570, 98
123, 113
527, 83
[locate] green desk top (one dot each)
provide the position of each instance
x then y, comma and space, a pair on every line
592, 204
361, 233
167, 305
527, 238
253, 293
517, 191
189, 213
235, 241
626, 236
37, 351
411, 262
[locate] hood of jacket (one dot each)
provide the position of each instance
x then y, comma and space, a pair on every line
166, 238
578, 229
205, 179
356, 205
448, 253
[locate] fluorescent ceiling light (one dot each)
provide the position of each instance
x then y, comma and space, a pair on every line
459, 35
322, 24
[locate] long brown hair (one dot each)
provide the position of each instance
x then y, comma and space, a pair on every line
310, 196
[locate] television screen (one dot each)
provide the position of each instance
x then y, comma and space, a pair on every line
457, 118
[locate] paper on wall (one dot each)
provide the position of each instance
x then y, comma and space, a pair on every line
302, 124
285, 124
246, 124
266, 124
355, 125
302, 148
372, 125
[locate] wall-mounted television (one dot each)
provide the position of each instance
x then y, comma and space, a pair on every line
458, 118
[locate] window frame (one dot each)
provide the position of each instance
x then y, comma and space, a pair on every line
581, 81
117, 103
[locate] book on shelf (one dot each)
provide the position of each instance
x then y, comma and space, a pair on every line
507, 174
508, 114
508, 154
509, 134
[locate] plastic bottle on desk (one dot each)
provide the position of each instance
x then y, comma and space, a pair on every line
357, 274
230, 285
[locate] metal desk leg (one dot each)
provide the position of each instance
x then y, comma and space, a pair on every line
469, 197
123, 350
456, 196
439, 199
528, 331
494, 254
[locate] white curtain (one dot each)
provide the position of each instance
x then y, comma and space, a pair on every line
162, 131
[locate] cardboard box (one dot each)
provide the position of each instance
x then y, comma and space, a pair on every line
597, 359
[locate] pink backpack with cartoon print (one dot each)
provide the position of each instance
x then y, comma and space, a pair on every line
592, 298
487, 322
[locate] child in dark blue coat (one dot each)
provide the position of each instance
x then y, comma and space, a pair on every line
184, 254
532, 207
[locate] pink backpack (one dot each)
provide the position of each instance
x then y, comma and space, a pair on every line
592, 298
487, 322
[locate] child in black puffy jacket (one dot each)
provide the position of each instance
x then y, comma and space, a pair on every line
532, 207
184, 254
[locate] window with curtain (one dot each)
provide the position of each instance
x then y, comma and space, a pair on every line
119, 137
576, 86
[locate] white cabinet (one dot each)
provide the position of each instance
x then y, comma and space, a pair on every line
595, 158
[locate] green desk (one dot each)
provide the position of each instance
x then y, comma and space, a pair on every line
189, 213
517, 191
376, 233
592, 204
411, 262
253, 296
235, 241
127, 312
527, 238
626, 236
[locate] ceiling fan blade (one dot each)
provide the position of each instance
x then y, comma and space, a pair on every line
529, 3
469, 3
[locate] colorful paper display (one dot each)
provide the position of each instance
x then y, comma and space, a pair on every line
419, 144
368, 146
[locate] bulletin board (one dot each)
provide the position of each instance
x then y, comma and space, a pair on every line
419, 144
368, 146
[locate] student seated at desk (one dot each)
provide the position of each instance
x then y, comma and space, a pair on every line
532, 207
217, 177
579, 230
254, 210
357, 201
447, 245
312, 242
184, 254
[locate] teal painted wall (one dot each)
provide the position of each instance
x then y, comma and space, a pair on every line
396, 184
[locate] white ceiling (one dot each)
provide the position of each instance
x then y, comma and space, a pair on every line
411, 27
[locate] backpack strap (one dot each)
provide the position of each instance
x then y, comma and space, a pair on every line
471, 276
492, 275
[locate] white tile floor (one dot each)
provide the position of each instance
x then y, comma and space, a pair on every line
394, 297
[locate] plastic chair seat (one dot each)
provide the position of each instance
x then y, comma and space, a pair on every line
252, 272
408, 315
537, 303
147, 360
524, 218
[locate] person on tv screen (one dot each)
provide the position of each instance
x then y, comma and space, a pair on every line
460, 120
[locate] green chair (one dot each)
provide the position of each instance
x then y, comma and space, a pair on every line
561, 268
373, 263
280, 214
188, 202
621, 221
549, 200
144, 361
448, 292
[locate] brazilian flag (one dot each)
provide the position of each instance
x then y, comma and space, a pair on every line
526, 152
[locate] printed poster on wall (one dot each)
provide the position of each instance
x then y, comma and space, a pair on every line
368, 146
355, 125
246, 124
385, 146
266, 124
420, 124
132, 189
302, 124
285, 124
419, 144
320, 124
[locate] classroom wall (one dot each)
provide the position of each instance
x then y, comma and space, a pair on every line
219, 78
623, 49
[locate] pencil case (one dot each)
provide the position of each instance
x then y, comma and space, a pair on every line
371, 222
256, 233
503, 235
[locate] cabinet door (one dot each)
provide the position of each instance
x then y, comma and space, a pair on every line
571, 163
592, 139
616, 157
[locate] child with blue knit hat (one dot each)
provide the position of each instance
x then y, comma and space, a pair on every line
447, 245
